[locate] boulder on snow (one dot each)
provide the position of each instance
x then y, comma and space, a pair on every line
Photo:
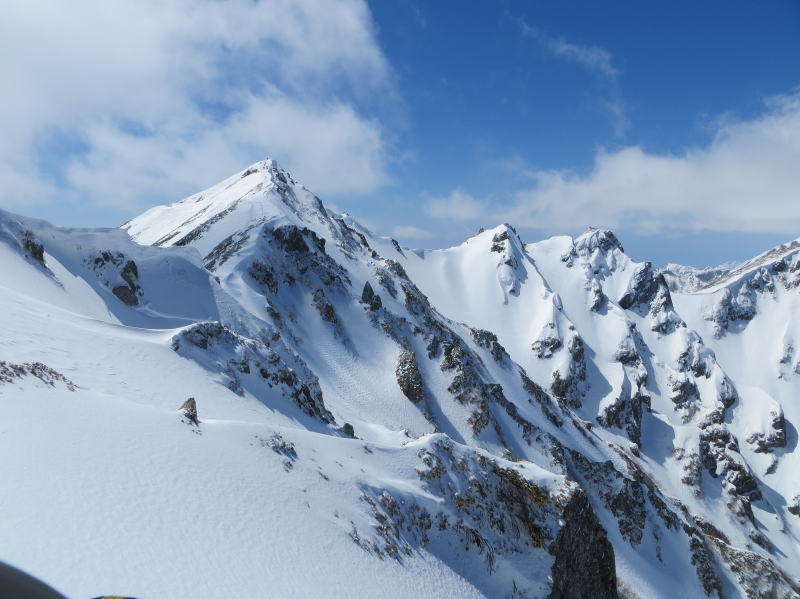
189, 409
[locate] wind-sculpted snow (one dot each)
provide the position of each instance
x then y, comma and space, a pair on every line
306, 408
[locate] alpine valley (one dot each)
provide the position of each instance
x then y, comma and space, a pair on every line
245, 394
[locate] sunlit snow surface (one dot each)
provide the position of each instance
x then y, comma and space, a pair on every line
105, 488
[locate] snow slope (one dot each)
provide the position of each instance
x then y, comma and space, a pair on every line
494, 419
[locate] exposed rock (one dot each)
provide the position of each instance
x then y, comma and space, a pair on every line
626, 352
774, 437
584, 558
596, 296
265, 367
189, 409
408, 376
370, 298
497, 241
794, 506
324, 307
10, 371
642, 288
569, 386
467, 386
116, 267
704, 563
731, 308
264, 274
626, 413
34, 249
293, 239
684, 392
759, 576
548, 343
489, 341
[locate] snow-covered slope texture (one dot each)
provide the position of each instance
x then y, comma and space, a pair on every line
495, 419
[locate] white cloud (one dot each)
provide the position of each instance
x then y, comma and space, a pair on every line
746, 179
596, 60
160, 96
457, 206
593, 58
411, 232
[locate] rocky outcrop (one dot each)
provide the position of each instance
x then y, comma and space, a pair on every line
488, 340
774, 437
9, 372
584, 558
370, 298
569, 383
119, 273
408, 377
264, 367
33, 248
758, 576
548, 342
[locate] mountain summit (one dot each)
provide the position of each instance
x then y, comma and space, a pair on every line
246, 393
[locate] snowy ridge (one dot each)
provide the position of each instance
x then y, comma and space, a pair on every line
547, 419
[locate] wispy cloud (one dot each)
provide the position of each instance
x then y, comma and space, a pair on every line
595, 60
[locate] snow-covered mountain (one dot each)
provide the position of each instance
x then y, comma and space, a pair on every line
496, 419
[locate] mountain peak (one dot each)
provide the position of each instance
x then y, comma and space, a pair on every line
597, 239
262, 192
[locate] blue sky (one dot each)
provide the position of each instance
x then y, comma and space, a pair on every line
676, 124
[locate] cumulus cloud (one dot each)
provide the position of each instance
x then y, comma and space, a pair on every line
746, 179
135, 102
457, 206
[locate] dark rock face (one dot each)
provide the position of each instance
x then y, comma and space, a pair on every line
497, 241
125, 295
370, 298
324, 307
34, 249
643, 287
570, 386
585, 565
293, 239
489, 341
408, 376
129, 292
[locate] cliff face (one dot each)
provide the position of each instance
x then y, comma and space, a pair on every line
584, 558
